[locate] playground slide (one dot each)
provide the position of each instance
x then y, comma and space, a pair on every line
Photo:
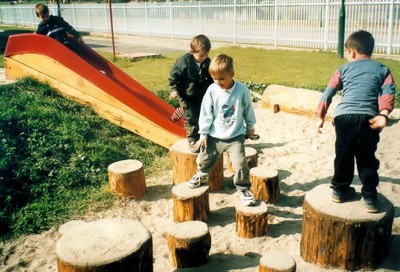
87, 77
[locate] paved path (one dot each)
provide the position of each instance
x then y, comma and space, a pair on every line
139, 44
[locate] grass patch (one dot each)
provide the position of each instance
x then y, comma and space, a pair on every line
255, 67
54, 155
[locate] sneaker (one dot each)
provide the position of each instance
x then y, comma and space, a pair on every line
247, 197
196, 181
192, 147
340, 196
370, 204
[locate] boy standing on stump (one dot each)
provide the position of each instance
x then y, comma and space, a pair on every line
226, 118
189, 79
368, 93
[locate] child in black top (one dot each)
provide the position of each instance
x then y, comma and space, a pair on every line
56, 28
189, 79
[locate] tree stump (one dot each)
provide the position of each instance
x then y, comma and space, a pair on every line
251, 156
114, 244
184, 166
344, 235
189, 244
264, 184
67, 226
190, 204
127, 178
251, 221
276, 262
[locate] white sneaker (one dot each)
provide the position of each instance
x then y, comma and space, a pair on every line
247, 197
196, 181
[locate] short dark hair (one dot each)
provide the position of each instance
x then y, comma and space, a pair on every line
200, 43
361, 41
41, 9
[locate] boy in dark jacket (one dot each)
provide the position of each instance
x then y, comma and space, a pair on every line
189, 79
56, 28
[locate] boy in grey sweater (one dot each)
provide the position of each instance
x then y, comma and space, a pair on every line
226, 118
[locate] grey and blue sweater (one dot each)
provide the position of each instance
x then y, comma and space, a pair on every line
367, 88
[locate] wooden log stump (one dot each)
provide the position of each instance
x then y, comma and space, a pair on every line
251, 221
190, 204
67, 226
114, 244
251, 156
184, 166
189, 244
344, 235
276, 262
126, 178
264, 184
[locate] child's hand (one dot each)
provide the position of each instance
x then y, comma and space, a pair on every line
200, 144
173, 95
378, 122
320, 125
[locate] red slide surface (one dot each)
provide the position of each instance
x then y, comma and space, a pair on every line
88, 64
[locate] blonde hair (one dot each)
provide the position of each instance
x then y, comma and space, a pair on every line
221, 63
200, 43
41, 9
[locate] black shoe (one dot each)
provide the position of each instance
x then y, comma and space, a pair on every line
340, 196
370, 204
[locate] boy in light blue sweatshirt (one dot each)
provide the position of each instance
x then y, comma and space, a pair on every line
226, 118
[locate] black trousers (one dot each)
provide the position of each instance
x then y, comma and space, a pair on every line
355, 140
191, 113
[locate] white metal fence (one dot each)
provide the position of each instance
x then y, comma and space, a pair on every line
287, 23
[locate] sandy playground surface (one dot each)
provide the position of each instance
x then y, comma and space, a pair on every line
288, 143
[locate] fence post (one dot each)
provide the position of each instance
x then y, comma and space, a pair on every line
390, 28
326, 28
58, 8
342, 19
147, 19
234, 22
276, 23
170, 19
89, 16
75, 20
200, 18
125, 20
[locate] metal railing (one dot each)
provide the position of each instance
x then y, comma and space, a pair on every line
286, 23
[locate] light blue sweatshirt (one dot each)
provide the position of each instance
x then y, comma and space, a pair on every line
226, 114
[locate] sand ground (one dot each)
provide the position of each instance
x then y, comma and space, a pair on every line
288, 143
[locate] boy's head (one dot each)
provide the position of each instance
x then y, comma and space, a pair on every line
360, 42
42, 12
221, 70
200, 46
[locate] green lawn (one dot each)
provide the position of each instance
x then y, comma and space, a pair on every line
256, 67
